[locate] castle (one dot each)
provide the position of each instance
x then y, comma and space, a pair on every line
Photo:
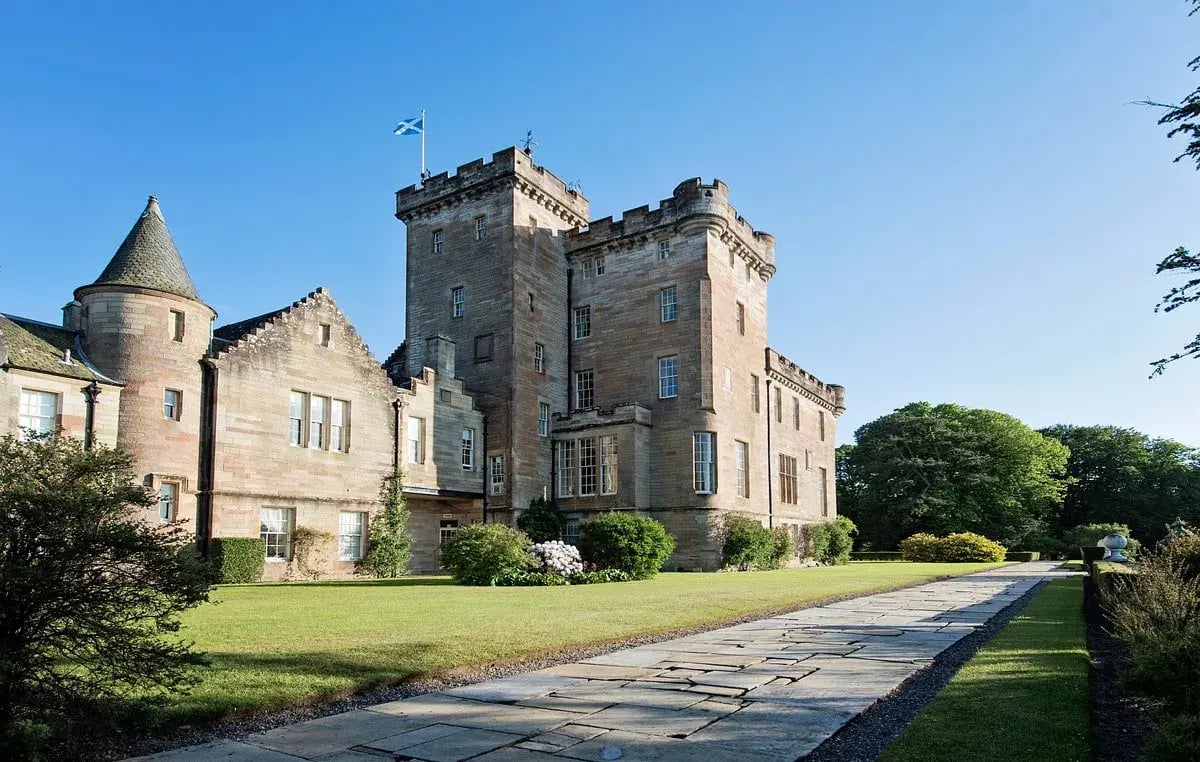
606, 365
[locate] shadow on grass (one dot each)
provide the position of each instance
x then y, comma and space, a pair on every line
398, 582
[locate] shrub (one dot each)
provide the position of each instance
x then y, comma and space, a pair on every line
963, 547
481, 554
1186, 552
236, 560
634, 544
830, 542
310, 552
91, 594
747, 542
783, 547
549, 579
1090, 554
557, 557
389, 547
541, 521
598, 576
1176, 739
921, 547
1022, 555
1087, 535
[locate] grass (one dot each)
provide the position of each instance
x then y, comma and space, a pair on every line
1023, 696
273, 645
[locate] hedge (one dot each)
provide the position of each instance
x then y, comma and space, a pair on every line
960, 547
1022, 555
1104, 573
237, 560
1091, 554
875, 555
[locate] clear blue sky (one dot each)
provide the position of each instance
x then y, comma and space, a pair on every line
967, 206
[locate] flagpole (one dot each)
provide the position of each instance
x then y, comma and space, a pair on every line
422, 146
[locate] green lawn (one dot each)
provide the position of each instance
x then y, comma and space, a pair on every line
1023, 696
278, 644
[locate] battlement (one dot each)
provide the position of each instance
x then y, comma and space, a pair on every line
511, 165
788, 373
691, 199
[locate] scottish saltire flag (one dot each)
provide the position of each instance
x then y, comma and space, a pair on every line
413, 126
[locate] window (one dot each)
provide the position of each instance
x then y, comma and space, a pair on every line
543, 419
339, 419
704, 467
570, 531
531, 309
668, 305
496, 474
822, 425
585, 393
483, 348
177, 323
350, 535
38, 414
754, 392
416, 440
741, 319
664, 249
439, 241
565, 469
608, 465
741, 453
296, 419
728, 378
316, 421
787, 479
445, 395
468, 449
583, 322
168, 502
171, 400
808, 460
323, 334
668, 377
457, 302
446, 531
480, 228
587, 268
824, 495
587, 466
275, 529
796, 413
599, 265
778, 405
539, 358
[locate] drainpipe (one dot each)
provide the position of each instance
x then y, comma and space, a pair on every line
486, 475
207, 476
770, 489
397, 406
90, 393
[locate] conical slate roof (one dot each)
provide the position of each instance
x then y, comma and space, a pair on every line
148, 258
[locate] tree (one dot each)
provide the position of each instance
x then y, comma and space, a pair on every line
1124, 476
390, 547
1183, 118
541, 521
947, 468
89, 593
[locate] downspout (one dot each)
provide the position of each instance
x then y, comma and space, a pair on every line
570, 338
485, 464
770, 489
90, 393
207, 476
397, 406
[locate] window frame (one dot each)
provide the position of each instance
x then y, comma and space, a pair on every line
439, 241
495, 474
664, 250
704, 462
741, 457
796, 413
318, 424
297, 430
543, 419
668, 311
741, 319
176, 407
581, 322
458, 302
361, 535
564, 464
25, 432
178, 325
172, 504
467, 459
265, 533
589, 466
539, 357
789, 480
481, 227
339, 430
668, 385
414, 456
609, 482
755, 401
590, 375
599, 265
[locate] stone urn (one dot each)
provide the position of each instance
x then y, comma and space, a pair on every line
1114, 544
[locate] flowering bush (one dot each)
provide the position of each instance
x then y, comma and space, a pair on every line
557, 557
550, 579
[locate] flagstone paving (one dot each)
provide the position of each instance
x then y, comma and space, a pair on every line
771, 690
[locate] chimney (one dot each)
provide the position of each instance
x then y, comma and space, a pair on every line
439, 355
73, 316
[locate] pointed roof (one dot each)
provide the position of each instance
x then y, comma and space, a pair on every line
148, 258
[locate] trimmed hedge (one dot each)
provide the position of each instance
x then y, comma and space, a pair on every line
637, 545
1022, 555
875, 555
482, 553
960, 547
237, 560
1104, 573
1091, 554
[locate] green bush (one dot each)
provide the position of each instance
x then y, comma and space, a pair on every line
310, 552
875, 555
1087, 535
830, 542
597, 577
481, 554
747, 542
237, 560
549, 579
389, 547
1022, 555
634, 544
783, 547
960, 547
921, 547
1176, 739
1186, 552
541, 521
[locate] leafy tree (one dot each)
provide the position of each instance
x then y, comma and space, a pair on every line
1124, 476
1183, 119
89, 593
947, 468
390, 547
541, 521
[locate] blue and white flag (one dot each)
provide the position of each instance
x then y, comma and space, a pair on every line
412, 126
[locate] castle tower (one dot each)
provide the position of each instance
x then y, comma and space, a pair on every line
144, 324
486, 269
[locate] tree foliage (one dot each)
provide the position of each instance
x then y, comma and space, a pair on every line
541, 521
89, 592
390, 544
947, 468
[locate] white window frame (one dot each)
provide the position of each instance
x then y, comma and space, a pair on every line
599, 265
587, 268
570, 531
468, 449
704, 462
318, 433
458, 302
296, 427
496, 475
543, 419
565, 468
741, 455
414, 449
589, 466
580, 388
582, 321
668, 377
664, 250
609, 463
446, 531
353, 531
824, 491
539, 358
439, 241
668, 305
741, 319
168, 502
755, 401
172, 410
277, 522
36, 420
480, 227
339, 425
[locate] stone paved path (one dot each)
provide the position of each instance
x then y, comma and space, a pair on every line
766, 691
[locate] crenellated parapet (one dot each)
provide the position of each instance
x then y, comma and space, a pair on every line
693, 206
783, 371
508, 168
